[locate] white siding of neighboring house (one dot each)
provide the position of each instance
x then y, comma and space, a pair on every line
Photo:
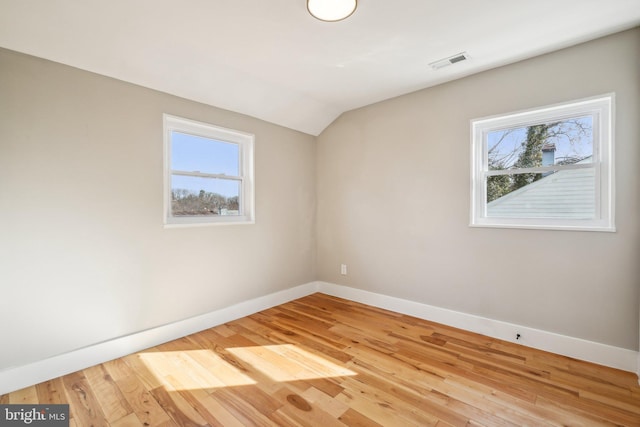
567, 194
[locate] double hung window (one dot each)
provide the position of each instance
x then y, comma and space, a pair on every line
550, 167
208, 174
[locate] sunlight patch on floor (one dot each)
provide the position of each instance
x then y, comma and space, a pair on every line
287, 362
193, 369
207, 370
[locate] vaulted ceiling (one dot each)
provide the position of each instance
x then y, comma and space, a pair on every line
271, 60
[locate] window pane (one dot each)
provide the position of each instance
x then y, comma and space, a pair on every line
194, 196
191, 153
565, 194
559, 142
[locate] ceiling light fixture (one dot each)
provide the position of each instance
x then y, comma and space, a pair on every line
331, 10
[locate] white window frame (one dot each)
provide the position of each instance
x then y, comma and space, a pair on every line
245, 142
602, 110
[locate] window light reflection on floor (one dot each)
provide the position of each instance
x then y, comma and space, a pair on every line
193, 369
204, 369
287, 362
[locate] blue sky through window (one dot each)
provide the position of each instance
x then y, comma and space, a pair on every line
190, 153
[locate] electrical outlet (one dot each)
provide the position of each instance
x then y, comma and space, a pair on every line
343, 269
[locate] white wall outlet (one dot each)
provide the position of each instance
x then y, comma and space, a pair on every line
343, 269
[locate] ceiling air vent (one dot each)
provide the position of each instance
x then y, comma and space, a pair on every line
463, 56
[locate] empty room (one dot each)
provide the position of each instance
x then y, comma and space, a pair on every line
319, 213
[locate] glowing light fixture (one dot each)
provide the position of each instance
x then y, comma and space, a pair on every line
331, 10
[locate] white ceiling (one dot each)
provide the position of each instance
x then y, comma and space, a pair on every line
270, 59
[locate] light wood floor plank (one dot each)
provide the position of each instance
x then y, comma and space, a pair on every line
325, 361
113, 403
51, 392
26, 395
84, 406
147, 410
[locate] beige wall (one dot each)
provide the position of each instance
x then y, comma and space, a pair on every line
393, 202
83, 254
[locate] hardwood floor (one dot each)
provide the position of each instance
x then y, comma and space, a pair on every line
324, 361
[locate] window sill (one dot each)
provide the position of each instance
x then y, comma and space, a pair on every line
556, 227
217, 222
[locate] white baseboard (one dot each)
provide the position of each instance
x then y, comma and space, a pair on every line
602, 354
33, 373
